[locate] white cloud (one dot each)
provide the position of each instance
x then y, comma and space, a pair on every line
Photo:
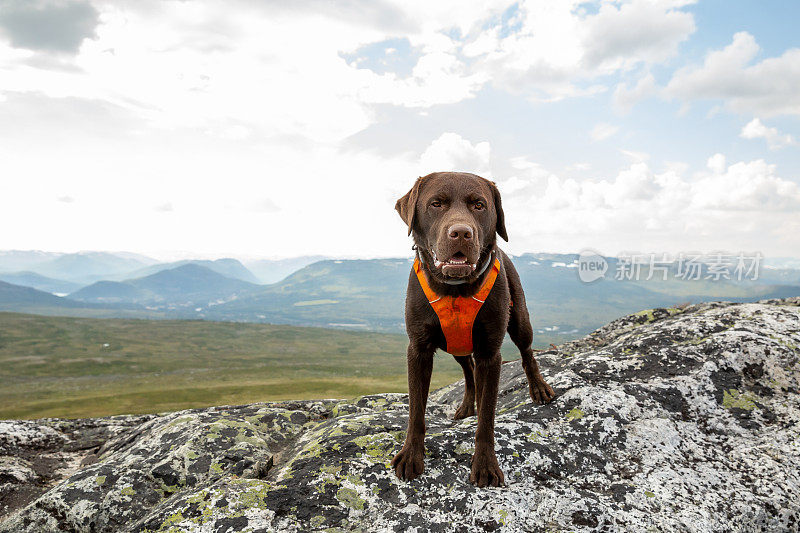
756, 129
546, 51
53, 27
266, 205
635, 156
742, 206
603, 131
532, 168
532, 175
514, 184
204, 66
578, 167
437, 78
248, 73
746, 186
451, 152
559, 49
629, 33
716, 163
243, 71
522, 163
625, 98
766, 88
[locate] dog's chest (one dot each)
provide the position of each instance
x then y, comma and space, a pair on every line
457, 313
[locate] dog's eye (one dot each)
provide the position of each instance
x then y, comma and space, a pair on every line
436, 203
479, 206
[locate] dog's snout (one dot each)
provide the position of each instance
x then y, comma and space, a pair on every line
460, 231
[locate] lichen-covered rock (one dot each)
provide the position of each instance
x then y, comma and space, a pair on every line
667, 420
36, 454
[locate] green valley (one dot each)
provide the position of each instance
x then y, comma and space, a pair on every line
80, 367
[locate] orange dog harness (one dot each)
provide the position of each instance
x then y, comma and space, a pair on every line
457, 313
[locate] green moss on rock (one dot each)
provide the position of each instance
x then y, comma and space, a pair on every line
575, 414
732, 398
350, 498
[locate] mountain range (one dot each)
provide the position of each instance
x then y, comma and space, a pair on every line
227, 267
274, 270
354, 294
16, 297
175, 287
81, 268
27, 278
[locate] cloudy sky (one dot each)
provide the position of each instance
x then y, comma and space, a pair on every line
280, 129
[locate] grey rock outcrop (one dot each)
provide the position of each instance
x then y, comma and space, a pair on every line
667, 420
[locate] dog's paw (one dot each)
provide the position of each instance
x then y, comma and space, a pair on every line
409, 463
486, 471
541, 392
464, 411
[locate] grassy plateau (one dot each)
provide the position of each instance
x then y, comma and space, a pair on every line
85, 367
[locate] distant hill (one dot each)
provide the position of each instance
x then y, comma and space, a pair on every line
16, 297
228, 267
350, 293
188, 284
782, 275
42, 283
782, 263
88, 267
112, 292
19, 299
17, 260
274, 270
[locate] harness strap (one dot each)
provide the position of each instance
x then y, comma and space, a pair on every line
457, 313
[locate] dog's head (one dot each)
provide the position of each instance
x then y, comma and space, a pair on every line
454, 217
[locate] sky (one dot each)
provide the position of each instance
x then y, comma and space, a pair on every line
276, 129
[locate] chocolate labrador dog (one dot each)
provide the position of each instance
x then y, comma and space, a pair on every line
454, 218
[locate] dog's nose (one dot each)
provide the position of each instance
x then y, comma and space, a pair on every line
460, 231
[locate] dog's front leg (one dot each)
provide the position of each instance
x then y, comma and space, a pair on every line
485, 468
410, 462
467, 407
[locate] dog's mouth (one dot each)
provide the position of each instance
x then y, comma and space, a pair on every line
457, 266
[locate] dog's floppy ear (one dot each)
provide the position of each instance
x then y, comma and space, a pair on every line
498, 208
406, 206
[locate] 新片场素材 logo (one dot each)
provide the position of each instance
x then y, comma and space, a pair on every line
717, 266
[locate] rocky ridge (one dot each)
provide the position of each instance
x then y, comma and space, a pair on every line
667, 420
